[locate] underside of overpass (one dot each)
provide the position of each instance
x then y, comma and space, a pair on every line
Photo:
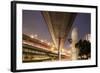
59, 25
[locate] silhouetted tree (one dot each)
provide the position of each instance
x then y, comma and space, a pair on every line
84, 47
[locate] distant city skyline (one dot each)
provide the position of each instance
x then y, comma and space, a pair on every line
33, 23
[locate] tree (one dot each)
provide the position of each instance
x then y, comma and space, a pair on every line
84, 48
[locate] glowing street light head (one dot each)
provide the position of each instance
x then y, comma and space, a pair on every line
48, 43
31, 36
42, 40
52, 49
62, 50
69, 51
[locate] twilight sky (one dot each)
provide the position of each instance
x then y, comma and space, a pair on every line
33, 23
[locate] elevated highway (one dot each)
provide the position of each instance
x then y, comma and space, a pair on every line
59, 25
36, 51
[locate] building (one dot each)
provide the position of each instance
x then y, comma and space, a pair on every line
87, 37
74, 50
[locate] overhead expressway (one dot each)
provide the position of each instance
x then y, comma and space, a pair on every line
59, 25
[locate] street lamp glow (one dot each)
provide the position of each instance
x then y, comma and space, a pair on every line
69, 51
42, 41
52, 49
48, 43
31, 36
62, 50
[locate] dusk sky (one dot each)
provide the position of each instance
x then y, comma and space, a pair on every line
33, 23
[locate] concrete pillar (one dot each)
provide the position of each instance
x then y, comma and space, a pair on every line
60, 46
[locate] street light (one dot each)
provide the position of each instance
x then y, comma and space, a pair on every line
42, 41
32, 36
48, 43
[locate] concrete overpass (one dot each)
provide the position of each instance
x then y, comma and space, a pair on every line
59, 25
36, 51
